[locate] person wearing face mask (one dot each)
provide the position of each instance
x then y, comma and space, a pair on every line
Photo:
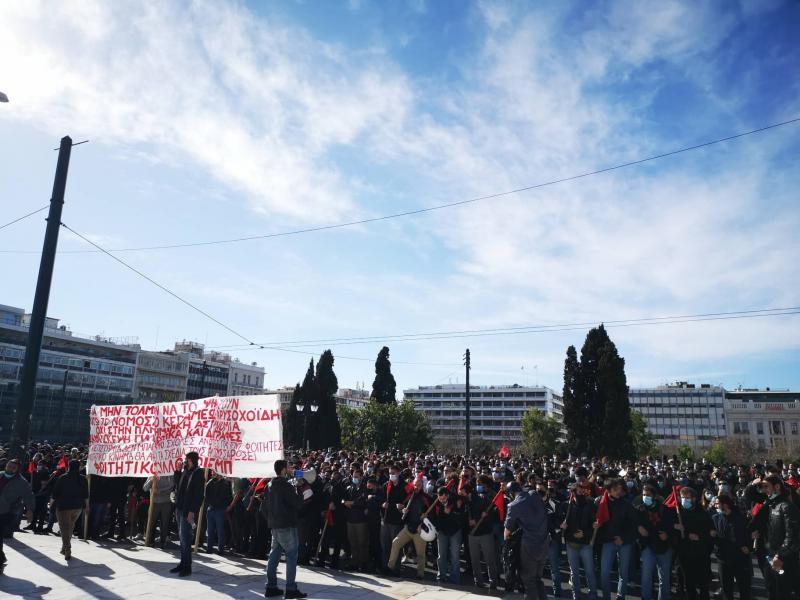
782, 544
375, 499
355, 504
415, 505
733, 549
481, 540
617, 536
656, 533
577, 527
15, 491
448, 516
391, 518
694, 545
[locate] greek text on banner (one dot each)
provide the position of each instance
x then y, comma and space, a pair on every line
239, 436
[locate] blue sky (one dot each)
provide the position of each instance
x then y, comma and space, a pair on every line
214, 120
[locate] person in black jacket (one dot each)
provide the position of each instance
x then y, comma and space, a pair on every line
481, 542
617, 537
448, 516
412, 510
391, 518
577, 529
188, 500
375, 499
783, 540
733, 549
556, 510
355, 504
656, 532
695, 545
70, 498
282, 504
218, 496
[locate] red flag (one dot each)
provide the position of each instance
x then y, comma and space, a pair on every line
672, 500
329, 517
602, 515
794, 483
30, 468
409, 487
504, 452
449, 485
388, 488
261, 485
62, 464
498, 503
460, 483
755, 509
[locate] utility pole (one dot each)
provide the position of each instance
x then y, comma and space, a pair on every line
30, 366
61, 407
467, 407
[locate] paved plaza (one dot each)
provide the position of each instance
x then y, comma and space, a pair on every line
113, 571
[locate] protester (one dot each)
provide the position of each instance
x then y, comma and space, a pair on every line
656, 536
15, 492
733, 549
527, 512
70, 498
189, 499
218, 497
616, 534
411, 512
282, 505
161, 498
694, 545
783, 540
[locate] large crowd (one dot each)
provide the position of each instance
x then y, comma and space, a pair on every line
596, 526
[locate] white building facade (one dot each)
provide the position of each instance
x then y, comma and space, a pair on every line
495, 411
766, 418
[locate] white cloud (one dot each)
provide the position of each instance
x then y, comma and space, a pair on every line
259, 105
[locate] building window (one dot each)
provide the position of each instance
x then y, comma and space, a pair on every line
776, 427
760, 430
794, 428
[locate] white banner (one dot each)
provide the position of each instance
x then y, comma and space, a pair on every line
235, 436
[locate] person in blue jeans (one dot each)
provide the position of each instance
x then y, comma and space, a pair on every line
577, 527
449, 517
616, 536
219, 496
282, 504
656, 531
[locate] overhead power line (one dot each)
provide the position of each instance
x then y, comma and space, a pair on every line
250, 343
748, 314
437, 207
30, 214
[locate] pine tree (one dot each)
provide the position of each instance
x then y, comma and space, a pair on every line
329, 432
575, 413
384, 388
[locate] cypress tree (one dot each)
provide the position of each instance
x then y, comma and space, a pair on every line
613, 387
329, 430
308, 394
592, 399
384, 388
575, 413
292, 422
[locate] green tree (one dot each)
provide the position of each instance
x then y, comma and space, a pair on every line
308, 396
685, 453
716, 454
328, 430
644, 443
292, 422
613, 391
384, 388
597, 408
575, 410
540, 433
382, 427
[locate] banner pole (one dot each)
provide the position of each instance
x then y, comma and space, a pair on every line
199, 518
148, 541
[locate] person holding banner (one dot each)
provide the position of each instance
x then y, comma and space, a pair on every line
189, 499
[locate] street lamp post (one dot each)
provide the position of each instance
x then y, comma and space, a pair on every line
306, 408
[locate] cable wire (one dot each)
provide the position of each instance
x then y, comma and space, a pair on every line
250, 343
30, 214
419, 211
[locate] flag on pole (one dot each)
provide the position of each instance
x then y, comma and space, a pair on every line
672, 500
504, 451
31, 468
498, 503
62, 464
602, 515
329, 517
